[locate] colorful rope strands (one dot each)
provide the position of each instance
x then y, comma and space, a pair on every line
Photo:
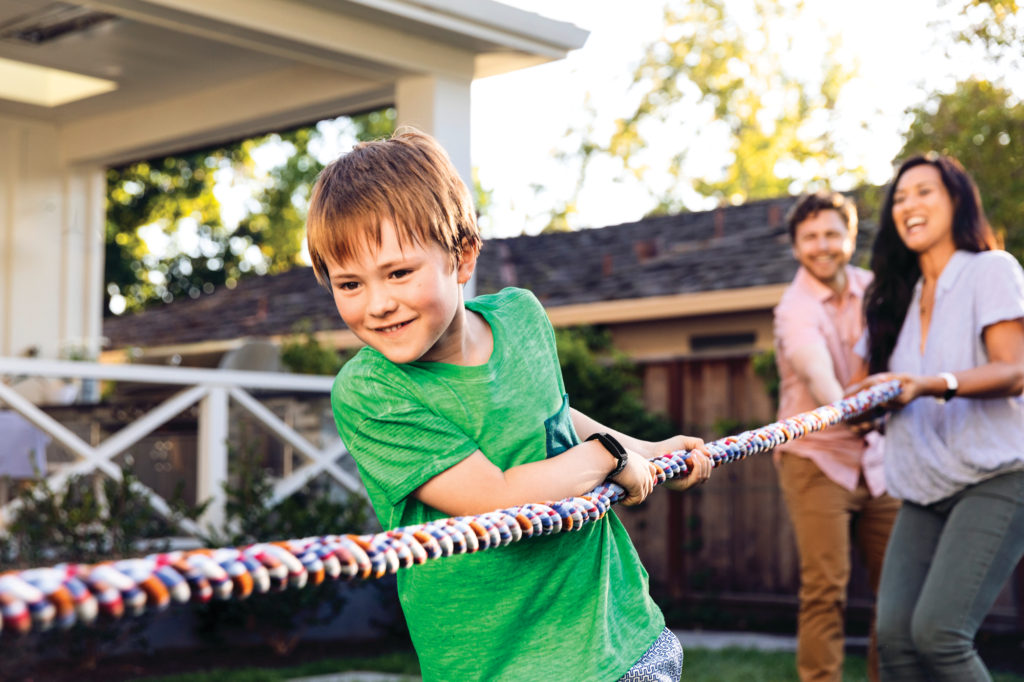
42, 598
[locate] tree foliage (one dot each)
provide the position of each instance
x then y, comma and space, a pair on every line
712, 73
165, 193
166, 237
86, 521
982, 125
303, 353
603, 383
995, 27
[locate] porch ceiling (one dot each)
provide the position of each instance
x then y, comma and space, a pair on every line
169, 50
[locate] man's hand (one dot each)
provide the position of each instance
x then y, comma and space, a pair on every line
637, 478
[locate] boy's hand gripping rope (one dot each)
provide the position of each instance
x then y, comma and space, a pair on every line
68, 593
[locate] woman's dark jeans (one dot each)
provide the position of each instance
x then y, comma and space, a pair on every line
945, 565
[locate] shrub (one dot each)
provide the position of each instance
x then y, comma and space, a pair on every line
603, 383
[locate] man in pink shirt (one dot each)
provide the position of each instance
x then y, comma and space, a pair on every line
832, 481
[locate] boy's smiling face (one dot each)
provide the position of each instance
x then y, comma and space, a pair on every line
404, 301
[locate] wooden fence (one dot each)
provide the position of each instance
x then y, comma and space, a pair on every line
724, 553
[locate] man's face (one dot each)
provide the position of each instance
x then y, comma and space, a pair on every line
824, 245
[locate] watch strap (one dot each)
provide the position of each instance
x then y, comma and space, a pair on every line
615, 448
952, 386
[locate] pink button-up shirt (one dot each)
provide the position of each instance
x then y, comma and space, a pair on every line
810, 313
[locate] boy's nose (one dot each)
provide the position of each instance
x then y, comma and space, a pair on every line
381, 302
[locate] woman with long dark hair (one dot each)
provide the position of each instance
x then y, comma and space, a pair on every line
945, 316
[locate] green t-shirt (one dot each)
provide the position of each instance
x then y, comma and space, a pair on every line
573, 605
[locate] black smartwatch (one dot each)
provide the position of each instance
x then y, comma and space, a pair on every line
952, 386
615, 448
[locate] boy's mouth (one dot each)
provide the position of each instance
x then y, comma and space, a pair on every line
393, 327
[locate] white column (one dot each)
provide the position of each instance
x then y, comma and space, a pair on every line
8, 188
212, 456
81, 319
94, 222
31, 221
440, 106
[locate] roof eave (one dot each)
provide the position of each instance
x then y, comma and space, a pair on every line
509, 38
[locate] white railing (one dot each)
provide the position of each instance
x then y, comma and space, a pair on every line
212, 389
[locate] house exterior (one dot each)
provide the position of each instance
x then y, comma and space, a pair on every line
705, 280
84, 86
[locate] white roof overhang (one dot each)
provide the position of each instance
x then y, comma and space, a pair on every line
206, 71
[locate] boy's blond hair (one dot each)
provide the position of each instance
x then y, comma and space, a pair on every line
407, 179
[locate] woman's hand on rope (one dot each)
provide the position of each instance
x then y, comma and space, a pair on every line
911, 387
700, 461
637, 478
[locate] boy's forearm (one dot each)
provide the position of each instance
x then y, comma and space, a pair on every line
476, 485
574, 472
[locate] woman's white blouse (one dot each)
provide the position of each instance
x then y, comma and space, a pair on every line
932, 450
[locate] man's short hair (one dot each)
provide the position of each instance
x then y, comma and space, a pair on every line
809, 205
407, 179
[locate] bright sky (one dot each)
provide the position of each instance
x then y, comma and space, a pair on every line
519, 119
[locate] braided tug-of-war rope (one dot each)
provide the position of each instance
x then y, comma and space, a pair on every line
40, 598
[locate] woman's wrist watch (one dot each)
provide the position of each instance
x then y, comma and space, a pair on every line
615, 448
952, 385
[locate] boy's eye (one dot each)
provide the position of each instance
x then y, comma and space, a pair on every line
347, 286
399, 274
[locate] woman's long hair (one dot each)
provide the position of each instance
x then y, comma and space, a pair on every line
896, 268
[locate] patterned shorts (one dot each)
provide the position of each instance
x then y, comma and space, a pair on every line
663, 662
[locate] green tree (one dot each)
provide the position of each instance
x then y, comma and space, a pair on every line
993, 27
303, 353
712, 73
165, 193
982, 125
86, 521
603, 383
171, 200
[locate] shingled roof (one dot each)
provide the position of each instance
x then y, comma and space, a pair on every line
727, 248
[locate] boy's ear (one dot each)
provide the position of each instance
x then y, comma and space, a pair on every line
467, 261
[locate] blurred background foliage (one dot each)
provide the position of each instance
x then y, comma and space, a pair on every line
604, 384
169, 237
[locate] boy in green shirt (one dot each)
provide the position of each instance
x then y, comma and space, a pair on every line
458, 408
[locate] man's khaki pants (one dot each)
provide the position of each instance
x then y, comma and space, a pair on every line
824, 515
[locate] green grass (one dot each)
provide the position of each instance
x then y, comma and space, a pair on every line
747, 665
726, 665
400, 662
